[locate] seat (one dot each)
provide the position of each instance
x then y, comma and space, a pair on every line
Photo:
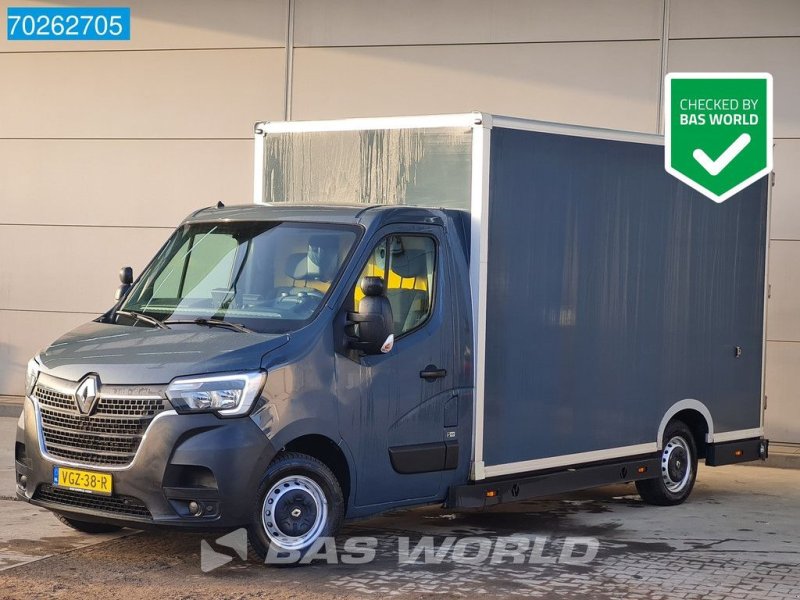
303, 283
374, 315
410, 305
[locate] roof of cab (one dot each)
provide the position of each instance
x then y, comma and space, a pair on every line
346, 214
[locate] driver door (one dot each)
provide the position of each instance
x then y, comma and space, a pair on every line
393, 405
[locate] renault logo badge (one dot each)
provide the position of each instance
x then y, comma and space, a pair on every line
86, 394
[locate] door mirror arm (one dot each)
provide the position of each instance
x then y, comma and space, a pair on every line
368, 347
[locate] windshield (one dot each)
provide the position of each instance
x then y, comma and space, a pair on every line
268, 276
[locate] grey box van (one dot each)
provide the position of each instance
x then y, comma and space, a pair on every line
461, 309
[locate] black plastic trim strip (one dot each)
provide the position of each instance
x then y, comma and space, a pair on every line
514, 488
424, 458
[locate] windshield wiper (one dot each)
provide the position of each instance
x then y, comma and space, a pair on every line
143, 317
211, 323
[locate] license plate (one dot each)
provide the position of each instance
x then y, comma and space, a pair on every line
82, 481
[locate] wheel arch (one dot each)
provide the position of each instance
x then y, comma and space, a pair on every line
329, 453
696, 416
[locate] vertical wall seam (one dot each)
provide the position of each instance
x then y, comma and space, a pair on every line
289, 66
664, 66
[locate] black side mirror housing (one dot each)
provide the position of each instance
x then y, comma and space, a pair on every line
371, 327
126, 277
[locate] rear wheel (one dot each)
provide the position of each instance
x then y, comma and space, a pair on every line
298, 502
86, 526
678, 468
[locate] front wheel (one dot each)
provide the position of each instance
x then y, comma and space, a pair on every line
678, 468
298, 502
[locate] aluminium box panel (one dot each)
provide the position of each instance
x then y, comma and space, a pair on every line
607, 84
175, 25
325, 23
782, 422
23, 333
120, 182
198, 94
613, 292
775, 55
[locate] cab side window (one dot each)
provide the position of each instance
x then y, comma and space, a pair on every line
407, 264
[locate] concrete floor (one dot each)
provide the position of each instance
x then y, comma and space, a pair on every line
28, 533
737, 537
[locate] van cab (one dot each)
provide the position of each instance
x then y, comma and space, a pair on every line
238, 344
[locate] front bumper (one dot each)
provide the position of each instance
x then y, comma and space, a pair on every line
217, 463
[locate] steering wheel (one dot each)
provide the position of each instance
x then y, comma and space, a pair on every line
313, 292
299, 296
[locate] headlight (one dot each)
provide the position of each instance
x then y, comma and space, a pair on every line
227, 395
31, 375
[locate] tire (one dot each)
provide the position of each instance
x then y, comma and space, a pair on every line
678, 468
298, 502
86, 526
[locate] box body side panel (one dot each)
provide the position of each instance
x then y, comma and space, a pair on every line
613, 292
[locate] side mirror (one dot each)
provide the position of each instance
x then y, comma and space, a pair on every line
371, 327
126, 277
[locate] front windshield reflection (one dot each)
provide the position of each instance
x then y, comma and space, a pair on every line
267, 276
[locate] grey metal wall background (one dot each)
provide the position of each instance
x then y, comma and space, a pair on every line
104, 146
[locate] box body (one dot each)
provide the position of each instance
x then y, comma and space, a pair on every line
607, 296
613, 293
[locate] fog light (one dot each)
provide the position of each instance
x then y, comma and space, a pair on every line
23, 481
195, 508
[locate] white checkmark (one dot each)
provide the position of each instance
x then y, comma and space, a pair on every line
715, 166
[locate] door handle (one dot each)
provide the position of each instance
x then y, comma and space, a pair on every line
432, 372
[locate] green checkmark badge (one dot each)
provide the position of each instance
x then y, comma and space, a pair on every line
718, 130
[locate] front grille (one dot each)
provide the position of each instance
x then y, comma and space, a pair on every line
109, 436
92, 442
138, 407
53, 398
82, 424
118, 505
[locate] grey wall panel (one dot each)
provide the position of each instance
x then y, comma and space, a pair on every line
784, 302
383, 22
614, 292
733, 18
156, 24
193, 94
218, 93
70, 269
778, 56
22, 334
785, 224
782, 418
609, 84
120, 182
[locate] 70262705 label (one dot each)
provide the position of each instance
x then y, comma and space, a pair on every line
68, 23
